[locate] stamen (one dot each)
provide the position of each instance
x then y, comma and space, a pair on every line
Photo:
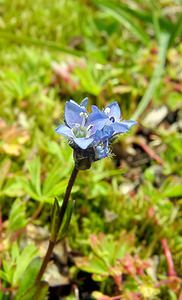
90, 127
107, 110
83, 115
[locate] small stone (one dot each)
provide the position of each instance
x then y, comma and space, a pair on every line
53, 276
59, 251
110, 215
126, 187
155, 117
37, 232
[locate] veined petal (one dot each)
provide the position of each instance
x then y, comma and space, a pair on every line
129, 123
119, 128
95, 109
84, 102
83, 143
64, 130
103, 135
73, 102
72, 113
97, 120
113, 110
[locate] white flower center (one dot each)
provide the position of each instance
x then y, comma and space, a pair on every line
84, 117
80, 131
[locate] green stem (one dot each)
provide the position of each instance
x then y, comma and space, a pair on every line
52, 243
156, 77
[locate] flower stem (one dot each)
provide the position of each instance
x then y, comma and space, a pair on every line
52, 243
46, 260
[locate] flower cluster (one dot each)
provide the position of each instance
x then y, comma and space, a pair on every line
89, 134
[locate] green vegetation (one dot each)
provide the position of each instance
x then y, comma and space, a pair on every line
125, 237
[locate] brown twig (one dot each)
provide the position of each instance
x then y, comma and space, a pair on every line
167, 253
151, 153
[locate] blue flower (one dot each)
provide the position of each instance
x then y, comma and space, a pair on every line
90, 134
80, 127
101, 142
113, 126
113, 113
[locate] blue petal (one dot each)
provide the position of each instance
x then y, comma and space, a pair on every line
129, 123
72, 113
119, 127
97, 119
95, 109
64, 130
105, 134
83, 143
73, 102
101, 151
84, 102
114, 111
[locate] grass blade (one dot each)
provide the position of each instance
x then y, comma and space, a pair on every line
21, 39
125, 17
177, 29
157, 74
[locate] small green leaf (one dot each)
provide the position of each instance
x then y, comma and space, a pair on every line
23, 261
17, 217
66, 221
173, 191
34, 168
55, 220
28, 279
39, 292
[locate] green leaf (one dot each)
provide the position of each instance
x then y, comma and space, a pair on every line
5, 167
36, 292
28, 188
28, 279
173, 191
13, 188
17, 216
41, 292
34, 169
51, 180
23, 262
94, 265
66, 221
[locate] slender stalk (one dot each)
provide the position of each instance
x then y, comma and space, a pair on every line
68, 191
52, 243
46, 260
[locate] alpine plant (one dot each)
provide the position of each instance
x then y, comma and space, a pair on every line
90, 134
